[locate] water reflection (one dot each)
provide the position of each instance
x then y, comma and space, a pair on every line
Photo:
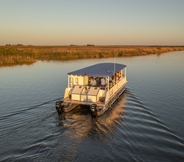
107, 122
79, 123
79, 131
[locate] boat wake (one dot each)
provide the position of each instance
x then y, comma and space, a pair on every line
129, 127
19, 118
134, 98
21, 110
129, 131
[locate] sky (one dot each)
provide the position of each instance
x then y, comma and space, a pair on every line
97, 22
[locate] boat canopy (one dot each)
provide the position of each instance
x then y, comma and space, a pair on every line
99, 70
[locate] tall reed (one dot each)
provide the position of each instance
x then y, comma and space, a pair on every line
12, 55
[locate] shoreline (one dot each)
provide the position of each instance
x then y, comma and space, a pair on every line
19, 54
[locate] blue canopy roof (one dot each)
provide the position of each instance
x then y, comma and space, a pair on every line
99, 70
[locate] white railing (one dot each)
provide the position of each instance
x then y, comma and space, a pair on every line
114, 89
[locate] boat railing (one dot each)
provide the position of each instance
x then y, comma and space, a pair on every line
114, 89
93, 93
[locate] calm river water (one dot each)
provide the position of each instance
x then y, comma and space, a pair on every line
145, 124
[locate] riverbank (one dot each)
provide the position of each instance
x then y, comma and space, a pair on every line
16, 55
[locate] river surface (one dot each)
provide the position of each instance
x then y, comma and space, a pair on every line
145, 124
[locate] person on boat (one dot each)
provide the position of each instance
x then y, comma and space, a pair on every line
116, 77
112, 81
103, 82
98, 81
119, 74
93, 81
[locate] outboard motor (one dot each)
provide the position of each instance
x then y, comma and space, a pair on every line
93, 110
59, 107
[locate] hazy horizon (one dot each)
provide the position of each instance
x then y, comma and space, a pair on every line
95, 22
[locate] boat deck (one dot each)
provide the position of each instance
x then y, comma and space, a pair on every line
68, 100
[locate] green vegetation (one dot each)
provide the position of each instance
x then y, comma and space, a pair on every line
19, 54
14, 56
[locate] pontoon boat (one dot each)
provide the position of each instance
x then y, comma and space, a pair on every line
97, 86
